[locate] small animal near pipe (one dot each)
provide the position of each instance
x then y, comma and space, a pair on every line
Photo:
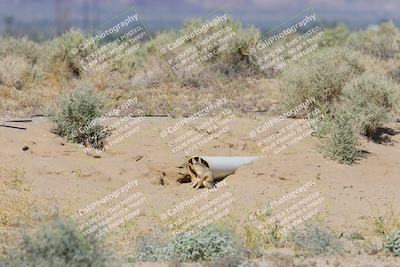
205, 170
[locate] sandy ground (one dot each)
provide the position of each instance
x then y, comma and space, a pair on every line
59, 174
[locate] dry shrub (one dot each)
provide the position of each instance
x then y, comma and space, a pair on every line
146, 67
366, 104
322, 75
341, 140
33, 54
33, 100
394, 71
381, 41
373, 100
234, 62
153, 73
59, 55
60, 243
14, 71
315, 240
336, 36
237, 62
23, 47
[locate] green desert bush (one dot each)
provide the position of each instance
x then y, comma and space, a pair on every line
152, 248
14, 70
366, 103
321, 75
60, 244
77, 117
373, 100
341, 141
207, 244
315, 240
210, 244
381, 41
393, 243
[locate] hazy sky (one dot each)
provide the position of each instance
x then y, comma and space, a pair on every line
41, 15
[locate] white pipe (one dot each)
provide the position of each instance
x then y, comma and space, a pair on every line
224, 166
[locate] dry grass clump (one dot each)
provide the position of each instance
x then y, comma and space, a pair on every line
15, 210
23, 87
322, 76
386, 224
30, 101
17, 206
14, 71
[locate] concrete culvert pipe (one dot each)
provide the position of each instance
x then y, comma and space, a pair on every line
220, 167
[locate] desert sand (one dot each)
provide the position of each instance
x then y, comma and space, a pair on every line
59, 175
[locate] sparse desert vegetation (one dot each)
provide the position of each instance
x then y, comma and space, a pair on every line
354, 77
